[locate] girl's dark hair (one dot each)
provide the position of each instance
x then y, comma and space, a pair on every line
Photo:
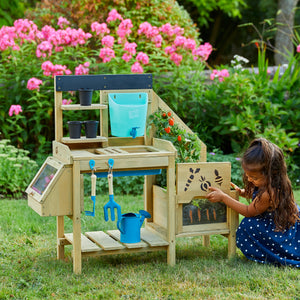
267, 158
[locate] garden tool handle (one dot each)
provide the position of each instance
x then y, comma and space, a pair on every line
93, 184
110, 184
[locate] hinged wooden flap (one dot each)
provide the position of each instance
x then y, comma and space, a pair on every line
194, 179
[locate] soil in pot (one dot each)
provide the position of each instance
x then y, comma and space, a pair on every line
91, 128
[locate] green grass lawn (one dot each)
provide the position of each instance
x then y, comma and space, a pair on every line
29, 269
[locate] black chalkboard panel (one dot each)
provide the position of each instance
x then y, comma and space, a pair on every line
202, 211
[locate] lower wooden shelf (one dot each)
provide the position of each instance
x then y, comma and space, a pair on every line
97, 243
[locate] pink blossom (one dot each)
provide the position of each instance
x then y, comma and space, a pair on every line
124, 28
113, 15
107, 54
25, 29
46, 32
224, 73
62, 22
66, 101
137, 68
7, 38
298, 48
50, 69
179, 41
190, 44
203, 51
100, 28
167, 29
176, 58
108, 41
145, 28
82, 69
157, 40
34, 84
43, 49
143, 57
154, 31
178, 30
219, 74
69, 37
130, 48
14, 109
170, 49
127, 57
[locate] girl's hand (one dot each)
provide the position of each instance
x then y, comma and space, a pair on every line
216, 195
239, 190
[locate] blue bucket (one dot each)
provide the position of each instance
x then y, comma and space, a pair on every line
128, 112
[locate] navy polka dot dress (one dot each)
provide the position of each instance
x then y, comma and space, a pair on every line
258, 240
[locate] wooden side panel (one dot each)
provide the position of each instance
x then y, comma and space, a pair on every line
160, 206
194, 179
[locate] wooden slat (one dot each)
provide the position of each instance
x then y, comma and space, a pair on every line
110, 150
83, 139
86, 244
82, 107
116, 234
152, 239
104, 240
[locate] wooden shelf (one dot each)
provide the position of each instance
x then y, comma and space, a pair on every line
81, 107
83, 139
102, 243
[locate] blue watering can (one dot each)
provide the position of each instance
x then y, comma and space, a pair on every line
130, 226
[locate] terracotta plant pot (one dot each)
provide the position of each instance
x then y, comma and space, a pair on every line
85, 96
74, 129
91, 128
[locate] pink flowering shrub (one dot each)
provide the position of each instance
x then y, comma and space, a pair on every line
32, 56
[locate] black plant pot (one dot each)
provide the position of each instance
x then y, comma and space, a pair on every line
85, 96
91, 128
74, 129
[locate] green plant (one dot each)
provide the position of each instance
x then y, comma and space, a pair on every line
187, 145
16, 170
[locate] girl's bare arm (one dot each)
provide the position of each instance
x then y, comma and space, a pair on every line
253, 209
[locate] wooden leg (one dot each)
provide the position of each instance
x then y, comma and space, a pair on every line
76, 219
205, 240
233, 224
171, 255
233, 218
60, 234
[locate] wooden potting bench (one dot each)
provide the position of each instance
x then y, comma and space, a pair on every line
64, 196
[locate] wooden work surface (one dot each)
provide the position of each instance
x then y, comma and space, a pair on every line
125, 157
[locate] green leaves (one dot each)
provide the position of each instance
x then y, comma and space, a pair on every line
16, 170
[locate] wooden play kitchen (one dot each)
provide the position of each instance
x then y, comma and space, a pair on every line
122, 148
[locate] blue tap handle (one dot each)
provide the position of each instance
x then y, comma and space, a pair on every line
133, 132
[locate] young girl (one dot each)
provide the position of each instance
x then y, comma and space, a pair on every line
270, 231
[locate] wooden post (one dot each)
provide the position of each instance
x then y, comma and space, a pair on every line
60, 234
58, 116
206, 240
171, 255
233, 219
76, 219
